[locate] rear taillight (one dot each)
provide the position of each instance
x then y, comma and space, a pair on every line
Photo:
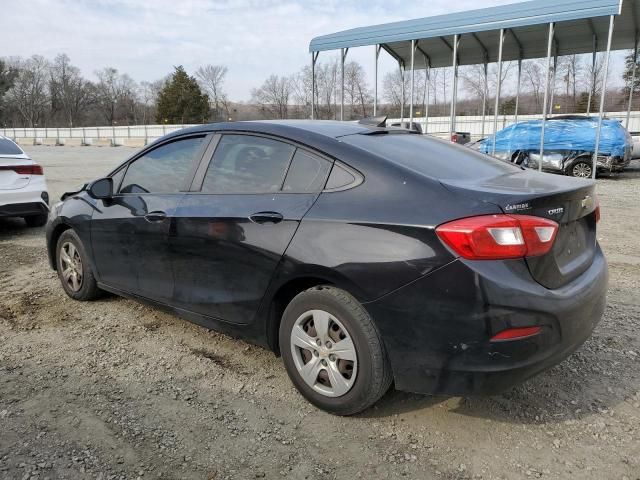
454, 138
24, 169
496, 237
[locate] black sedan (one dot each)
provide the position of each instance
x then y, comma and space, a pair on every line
363, 255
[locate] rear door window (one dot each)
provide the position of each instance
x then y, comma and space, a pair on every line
163, 169
7, 147
431, 157
247, 164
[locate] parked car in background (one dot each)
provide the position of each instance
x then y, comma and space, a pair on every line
635, 152
364, 255
569, 144
23, 189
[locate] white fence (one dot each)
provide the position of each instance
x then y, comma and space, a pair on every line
147, 133
473, 124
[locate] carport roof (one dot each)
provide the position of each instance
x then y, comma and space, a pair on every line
526, 26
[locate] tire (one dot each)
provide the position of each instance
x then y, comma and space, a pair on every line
580, 169
363, 380
36, 220
84, 287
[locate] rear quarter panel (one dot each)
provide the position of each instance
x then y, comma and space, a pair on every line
378, 236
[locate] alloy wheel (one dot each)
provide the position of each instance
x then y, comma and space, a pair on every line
323, 353
581, 170
72, 272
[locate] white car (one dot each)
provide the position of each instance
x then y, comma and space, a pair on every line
23, 189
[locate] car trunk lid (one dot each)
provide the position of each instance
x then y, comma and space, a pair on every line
12, 177
569, 202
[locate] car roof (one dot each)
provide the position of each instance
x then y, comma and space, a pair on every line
288, 128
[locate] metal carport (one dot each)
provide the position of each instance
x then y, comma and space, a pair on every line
516, 32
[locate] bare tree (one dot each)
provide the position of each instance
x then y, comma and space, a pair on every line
301, 85
570, 67
116, 95
394, 93
327, 89
69, 91
29, 93
534, 73
591, 79
211, 79
273, 96
356, 90
473, 80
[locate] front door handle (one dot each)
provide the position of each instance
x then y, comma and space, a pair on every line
153, 217
266, 217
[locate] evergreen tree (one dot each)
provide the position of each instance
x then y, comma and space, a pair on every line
181, 100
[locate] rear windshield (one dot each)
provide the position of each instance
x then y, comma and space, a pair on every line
7, 147
431, 157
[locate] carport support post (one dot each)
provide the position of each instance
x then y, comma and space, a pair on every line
497, 106
593, 73
484, 96
413, 54
603, 95
553, 82
375, 82
401, 93
454, 93
633, 84
427, 72
515, 120
314, 57
546, 94
343, 55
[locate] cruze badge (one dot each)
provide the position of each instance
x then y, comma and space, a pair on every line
556, 211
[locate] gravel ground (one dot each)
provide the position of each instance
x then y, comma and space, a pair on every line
116, 390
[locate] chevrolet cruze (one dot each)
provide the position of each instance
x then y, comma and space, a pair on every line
363, 255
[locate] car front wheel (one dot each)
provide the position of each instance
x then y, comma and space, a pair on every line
74, 270
332, 351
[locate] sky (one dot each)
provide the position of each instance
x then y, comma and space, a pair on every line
253, 38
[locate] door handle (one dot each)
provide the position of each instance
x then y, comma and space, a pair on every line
155, 217
266, 217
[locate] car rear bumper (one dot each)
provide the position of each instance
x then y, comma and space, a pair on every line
437, 330
24, 209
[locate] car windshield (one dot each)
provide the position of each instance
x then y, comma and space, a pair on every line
431, 157
7, 147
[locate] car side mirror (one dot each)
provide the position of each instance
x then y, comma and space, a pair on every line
102, 189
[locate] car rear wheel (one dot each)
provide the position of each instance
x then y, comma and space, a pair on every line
581, 169
36, 220
74, 270
333, 352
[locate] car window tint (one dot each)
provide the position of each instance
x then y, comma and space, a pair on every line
307, 173
431, 156
7, 147
247, 164
163, 169
339, 178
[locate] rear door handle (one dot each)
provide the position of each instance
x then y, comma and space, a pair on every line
266, 217
155, 217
